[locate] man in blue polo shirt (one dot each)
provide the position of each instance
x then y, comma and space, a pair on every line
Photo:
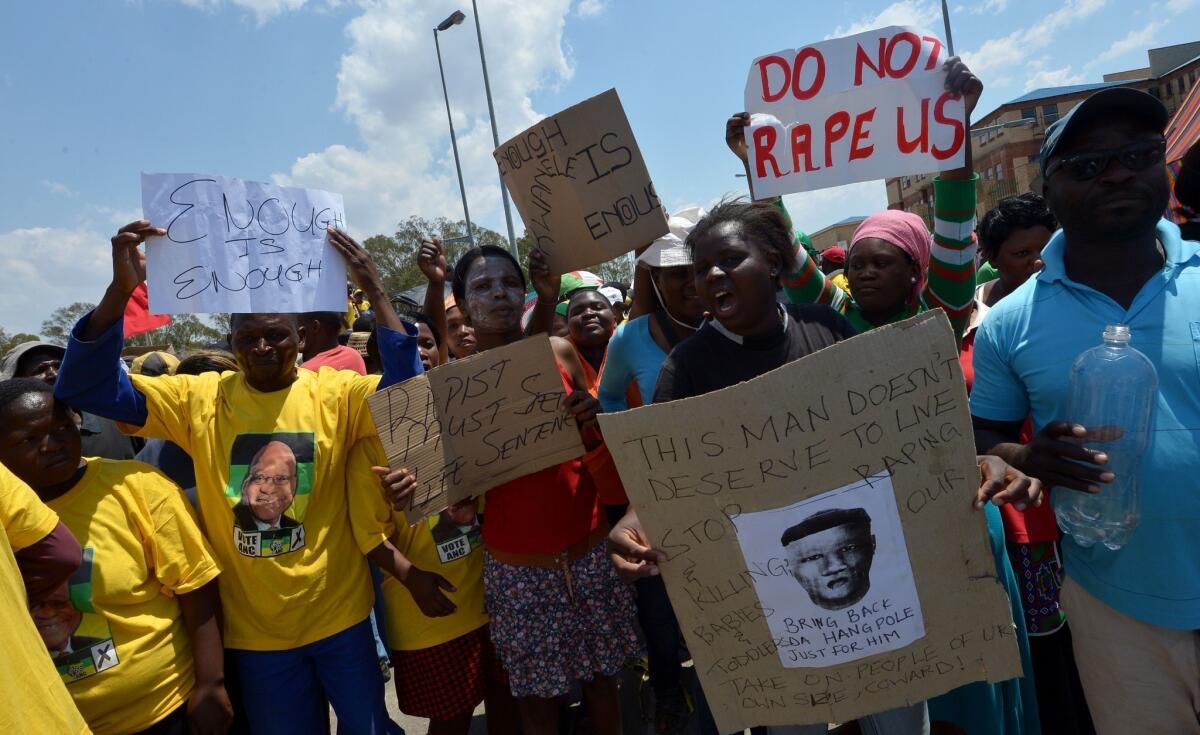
1135, 612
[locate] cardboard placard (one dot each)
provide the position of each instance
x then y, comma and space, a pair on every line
826, 561
465, 427
581, 185
241, 246
858, 108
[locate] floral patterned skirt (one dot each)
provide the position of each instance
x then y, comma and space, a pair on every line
550, 631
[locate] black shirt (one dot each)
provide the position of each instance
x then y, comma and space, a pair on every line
710, 360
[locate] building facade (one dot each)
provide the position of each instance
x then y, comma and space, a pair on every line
839, 233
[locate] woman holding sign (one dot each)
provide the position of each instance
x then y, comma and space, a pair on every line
739, 252
895, 269
558, 612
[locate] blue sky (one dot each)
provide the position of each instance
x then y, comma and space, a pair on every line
344, 96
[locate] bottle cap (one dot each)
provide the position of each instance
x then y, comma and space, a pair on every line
1117, 333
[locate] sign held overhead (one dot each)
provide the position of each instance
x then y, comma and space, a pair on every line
581, 185
858, 108
241, 246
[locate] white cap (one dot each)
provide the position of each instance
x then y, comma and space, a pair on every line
669, 251
612, 293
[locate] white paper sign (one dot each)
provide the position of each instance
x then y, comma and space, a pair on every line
835, 569
241, 246
858, 108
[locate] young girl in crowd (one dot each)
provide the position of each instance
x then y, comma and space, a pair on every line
134, 632
558, 612
433, 597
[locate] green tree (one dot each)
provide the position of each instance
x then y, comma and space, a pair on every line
186, 332
617, 269
396, 255
9, 341
58, 327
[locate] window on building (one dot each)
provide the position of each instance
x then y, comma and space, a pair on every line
988, 174
999, 172
1028, 113
1050, 113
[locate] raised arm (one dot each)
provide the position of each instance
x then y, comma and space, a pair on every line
432, 262
546, 284
397, 339
91, 378
951, 281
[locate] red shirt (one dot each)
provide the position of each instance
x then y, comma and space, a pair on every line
545, 512
338, 358
1031, 525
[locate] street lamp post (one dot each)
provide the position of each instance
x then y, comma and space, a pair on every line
487, 88
455, 18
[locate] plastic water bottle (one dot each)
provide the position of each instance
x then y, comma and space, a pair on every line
1112, 385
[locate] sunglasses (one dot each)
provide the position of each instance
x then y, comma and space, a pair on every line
1135, 157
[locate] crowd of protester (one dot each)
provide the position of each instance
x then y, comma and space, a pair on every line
214, 542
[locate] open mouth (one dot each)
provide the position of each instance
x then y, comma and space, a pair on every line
726, 303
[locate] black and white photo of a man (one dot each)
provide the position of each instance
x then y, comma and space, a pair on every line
830, 553
836, 568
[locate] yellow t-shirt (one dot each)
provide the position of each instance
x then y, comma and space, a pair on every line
271, 489
448, 544
32, 697
119, 640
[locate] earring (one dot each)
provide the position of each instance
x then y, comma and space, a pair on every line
774, 273
913, 279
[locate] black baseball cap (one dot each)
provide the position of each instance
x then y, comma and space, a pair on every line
1113, 99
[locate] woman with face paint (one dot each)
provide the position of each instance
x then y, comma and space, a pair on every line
894, 268
558, 612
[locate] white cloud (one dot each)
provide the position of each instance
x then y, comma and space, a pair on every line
998, 57
1137, 39
50, 267
1053, 78
1178, 6
814, 210
590, 8
388, 86
59, 188
924, 14
986, 6
263, 10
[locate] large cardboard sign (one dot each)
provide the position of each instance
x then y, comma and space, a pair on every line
465, 427
581, 184
826, 561
851, 109
241, 246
